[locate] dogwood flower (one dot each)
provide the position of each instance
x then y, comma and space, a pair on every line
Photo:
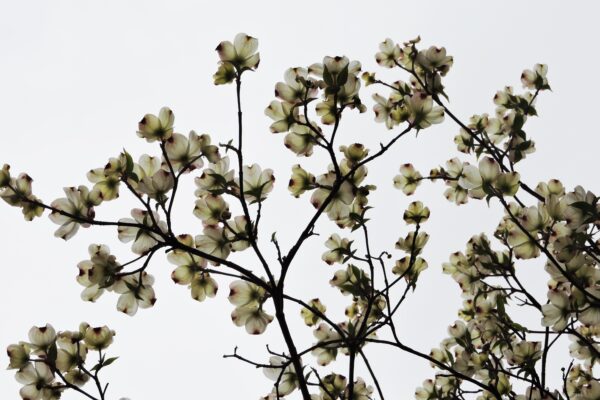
248, 299
311, 318
211, 209
408, 180
98, 338
361, 390
333, 386
434, 59
388, 54
383, 110
225, 74
135, 292
246, 294
215, 179
557, 312
213, 241
143, 239
338, 249
301, 181
18, 193
153, 180
107, 180
37, 380
422, 112
241, 54
79, 203
523, 245
154, 128
535, 79
18, 355
284, 114
104, 266
478, 181
416, 213
338, 207
294, 90
185, 152
237, 233
508, 183
455, 193
327, 352
410, 244
40, 337
71, 351
523, 352
257, 183
284, 373
255, 320
301, 140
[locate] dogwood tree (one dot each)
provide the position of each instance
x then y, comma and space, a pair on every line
489, 353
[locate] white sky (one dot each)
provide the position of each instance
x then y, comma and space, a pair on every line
76, 76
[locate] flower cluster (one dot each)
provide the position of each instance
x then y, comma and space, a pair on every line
410, 266
414, 102
248, 299
103, 273
51, 363
17, 192
235, 58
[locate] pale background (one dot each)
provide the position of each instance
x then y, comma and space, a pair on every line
76, 76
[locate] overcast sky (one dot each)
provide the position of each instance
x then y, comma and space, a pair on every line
76, 76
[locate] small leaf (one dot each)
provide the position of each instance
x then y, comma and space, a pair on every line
327, 76
109, 361
342, 77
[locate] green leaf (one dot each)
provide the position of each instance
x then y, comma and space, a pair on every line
327, 76
342, 77
52, 353
109, 361
128, 163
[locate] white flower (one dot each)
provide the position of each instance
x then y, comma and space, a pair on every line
41, 337
478, 181
135, 293
255, 320
154, 128
80, 204
215, 179
143, 239
338, 249
535, 79
257, 183
214, 242
327, 352
285, 375
422, 112
557, 312
293, 90
35, 379
241, 53
284, 115
185, 152
388, 54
